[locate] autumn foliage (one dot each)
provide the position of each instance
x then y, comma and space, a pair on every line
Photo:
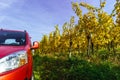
95, 30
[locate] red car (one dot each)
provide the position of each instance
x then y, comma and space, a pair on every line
16, 61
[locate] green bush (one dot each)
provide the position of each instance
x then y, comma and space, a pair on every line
50, 68
103, 54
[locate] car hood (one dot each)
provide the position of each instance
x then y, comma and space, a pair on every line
6, 50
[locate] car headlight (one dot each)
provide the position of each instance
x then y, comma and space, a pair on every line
13, 61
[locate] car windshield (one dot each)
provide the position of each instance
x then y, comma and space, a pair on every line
12, 38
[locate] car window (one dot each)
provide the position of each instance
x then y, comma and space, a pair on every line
12, 38
10, 41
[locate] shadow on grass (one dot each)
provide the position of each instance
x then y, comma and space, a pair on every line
48, 68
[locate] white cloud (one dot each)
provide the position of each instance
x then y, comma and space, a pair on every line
6, 3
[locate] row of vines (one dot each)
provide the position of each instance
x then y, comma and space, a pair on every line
95, 30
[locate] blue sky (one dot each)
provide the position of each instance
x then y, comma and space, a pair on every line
39, 17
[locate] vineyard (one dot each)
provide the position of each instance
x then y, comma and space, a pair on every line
92, 46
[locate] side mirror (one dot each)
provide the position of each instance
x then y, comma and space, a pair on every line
35, 45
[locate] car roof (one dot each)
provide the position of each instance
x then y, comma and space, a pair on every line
12, 30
